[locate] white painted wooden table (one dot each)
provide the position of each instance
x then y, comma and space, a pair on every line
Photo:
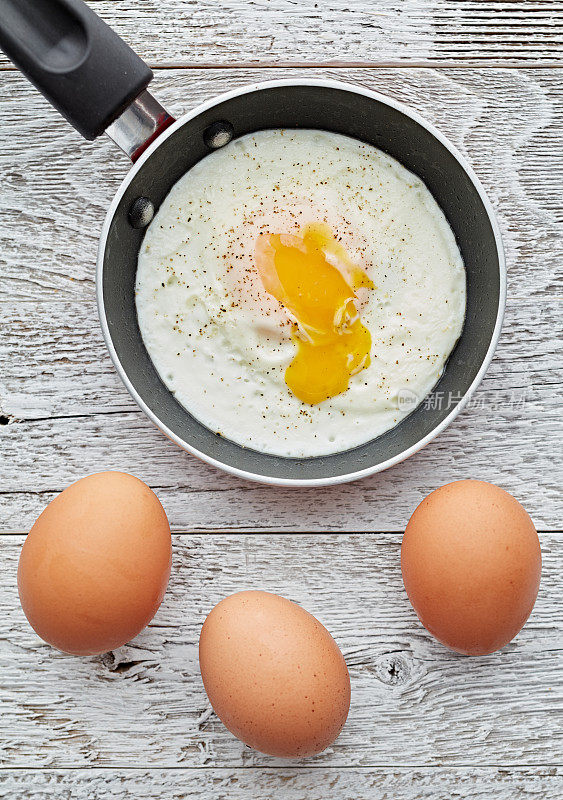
424, 723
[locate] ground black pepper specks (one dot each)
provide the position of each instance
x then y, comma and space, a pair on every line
207, 320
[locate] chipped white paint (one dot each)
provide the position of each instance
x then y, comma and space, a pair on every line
188, 32
70, 415
425, 723
56, 187
286, 783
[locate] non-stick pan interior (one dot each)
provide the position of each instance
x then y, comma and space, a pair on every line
351, 114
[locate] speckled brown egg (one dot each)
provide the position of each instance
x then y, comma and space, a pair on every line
471, 564
94, 567
274, 675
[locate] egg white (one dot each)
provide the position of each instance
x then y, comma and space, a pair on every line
222, 344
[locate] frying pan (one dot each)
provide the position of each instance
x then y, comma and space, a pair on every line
96, 81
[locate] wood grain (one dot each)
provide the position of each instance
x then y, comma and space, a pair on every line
191, 32
68, 414
413, 702
56, 187
58, 385
55, 363
286, 784
425, 723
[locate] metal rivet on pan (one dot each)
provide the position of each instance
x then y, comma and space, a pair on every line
141, 212
218, 135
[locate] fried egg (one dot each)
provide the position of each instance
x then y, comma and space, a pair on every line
295, 287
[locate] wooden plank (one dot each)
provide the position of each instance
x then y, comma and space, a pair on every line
56, 187
286, 783
41, 459
68, 414
55, 363
188, 32
414, 703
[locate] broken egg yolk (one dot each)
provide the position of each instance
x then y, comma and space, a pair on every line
312, 276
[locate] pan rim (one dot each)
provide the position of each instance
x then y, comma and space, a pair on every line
341, 478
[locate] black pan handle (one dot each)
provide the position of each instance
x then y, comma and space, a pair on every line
81, 66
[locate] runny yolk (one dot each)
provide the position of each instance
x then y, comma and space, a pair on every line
313, 277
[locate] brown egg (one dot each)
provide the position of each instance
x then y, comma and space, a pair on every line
94, 567
274, 675
471, 564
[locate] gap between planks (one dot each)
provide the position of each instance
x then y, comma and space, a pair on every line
196, 532
365, 768
484, 63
